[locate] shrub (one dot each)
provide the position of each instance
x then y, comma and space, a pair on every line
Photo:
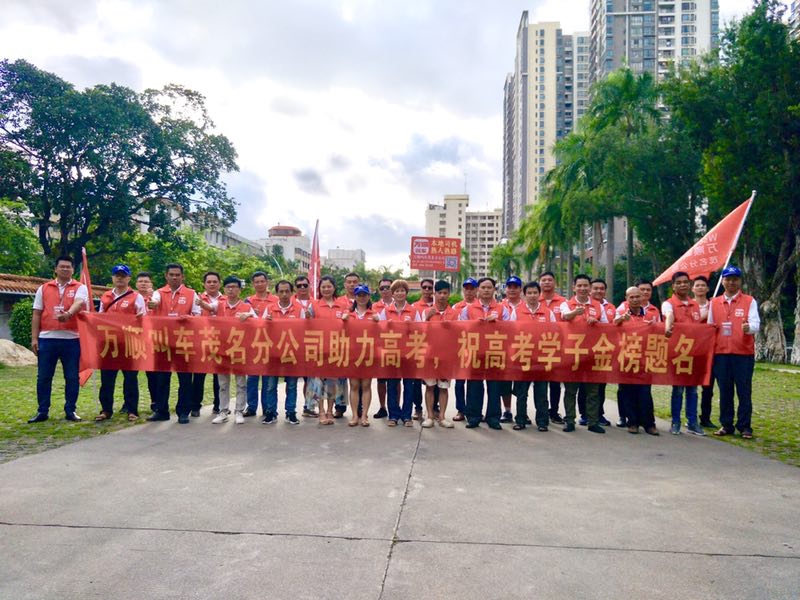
20, 322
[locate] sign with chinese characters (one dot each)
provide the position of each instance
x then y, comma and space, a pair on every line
435, 254
515, 351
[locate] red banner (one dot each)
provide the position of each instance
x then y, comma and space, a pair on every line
435, 254
515, 351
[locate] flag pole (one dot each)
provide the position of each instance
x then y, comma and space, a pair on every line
736, 242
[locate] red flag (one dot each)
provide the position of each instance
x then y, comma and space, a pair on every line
713, 251
314, 270
86, 280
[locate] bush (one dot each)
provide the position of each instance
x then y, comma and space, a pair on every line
20, 322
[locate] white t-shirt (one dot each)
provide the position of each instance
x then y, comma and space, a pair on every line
60, 334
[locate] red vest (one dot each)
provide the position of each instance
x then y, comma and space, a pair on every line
179, 304
610, 310
592, 309
368, 315
449, 314
323, 311
260, 304
476, 310
542, 314
51, 299
379, 306
126, 305
241, 307
407, 314
735, 313
295, 311
208, 299
685, 313
554, 304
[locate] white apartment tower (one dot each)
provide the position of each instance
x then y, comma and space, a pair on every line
794, 17
539, 106
479, 231
653, 36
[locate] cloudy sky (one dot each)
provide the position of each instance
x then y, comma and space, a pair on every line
356, 112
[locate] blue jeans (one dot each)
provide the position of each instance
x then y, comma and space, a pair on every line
252, 393
691, 404
397, 412
735, 370
271, 387
50, 352
461, 396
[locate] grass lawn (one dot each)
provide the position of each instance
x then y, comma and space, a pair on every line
18, 404
776, 412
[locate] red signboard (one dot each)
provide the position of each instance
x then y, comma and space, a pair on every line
435, 254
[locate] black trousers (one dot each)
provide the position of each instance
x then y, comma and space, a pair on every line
638, 405
184, 405
130, 390
735, 370
520, 390
705, 402
555, 397
475, 393
199, 389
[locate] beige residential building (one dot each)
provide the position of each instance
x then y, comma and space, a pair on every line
294, 245
479, 231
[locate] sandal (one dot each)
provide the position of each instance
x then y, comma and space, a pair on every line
408, 423
458, 417
103, 416
352, 423
132, 417
364, 423
721, 431
747, 435
518, 427
392, 422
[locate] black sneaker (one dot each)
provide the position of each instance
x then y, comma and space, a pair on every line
605, 422
269, 419
494, 425
72, 417
308, 412
183, 419
542, 428
569, 427
556, 418
291, 418
157, 416
583, 421
507, 418
596, 429
338, 413
473, 425
38, 418
195, 413
528, 421
708, 424
381, 414
249, 413
215, 410
621, 423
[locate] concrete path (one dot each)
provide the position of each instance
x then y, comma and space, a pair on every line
255, 511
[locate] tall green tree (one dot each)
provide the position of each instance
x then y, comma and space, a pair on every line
94, 165
742, 108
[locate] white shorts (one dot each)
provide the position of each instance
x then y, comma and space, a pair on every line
441, 383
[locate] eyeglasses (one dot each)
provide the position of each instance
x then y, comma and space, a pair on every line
427, 287
302, 285
384, 288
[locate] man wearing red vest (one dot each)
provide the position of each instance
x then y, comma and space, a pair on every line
552, 300
120, 300
581, 308
54, 337
681, 308
735, 317
174, 300
470, 292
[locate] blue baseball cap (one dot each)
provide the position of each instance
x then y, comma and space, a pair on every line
514, 280
361, 289
469, 281
123, 269
732, 271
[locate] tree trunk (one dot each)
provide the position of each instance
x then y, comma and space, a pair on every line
570, 266
796, 345
629, 250
582, 248
770, 339
561, 269
610, 260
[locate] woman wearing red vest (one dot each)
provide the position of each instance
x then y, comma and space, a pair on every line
54, 337
735, 317
120, 300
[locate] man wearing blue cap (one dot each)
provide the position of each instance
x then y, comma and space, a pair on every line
735, 317
118, 301
470, 292
511, 302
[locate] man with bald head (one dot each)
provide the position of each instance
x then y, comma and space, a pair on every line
636, 397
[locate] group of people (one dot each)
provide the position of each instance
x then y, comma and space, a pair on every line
733, 314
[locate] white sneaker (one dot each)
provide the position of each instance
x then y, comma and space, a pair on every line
446, 423
220, 418
239, 418
427, 423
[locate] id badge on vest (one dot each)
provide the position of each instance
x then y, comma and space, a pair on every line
727, 329
172, 314
58, 309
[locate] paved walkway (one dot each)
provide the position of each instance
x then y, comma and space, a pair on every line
254, 511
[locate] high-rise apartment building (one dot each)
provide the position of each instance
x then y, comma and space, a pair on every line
653, 36
479, 231
794, 17
540, 106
